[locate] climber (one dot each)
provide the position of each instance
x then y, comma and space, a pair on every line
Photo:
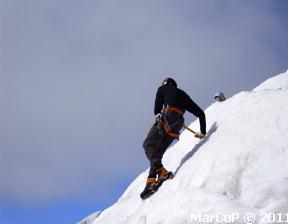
170, 105
219, 96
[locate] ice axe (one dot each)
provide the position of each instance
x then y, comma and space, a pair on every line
194, 132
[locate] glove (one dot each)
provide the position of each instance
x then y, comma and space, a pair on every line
199, 135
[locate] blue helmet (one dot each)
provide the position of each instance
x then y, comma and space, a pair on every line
219, 96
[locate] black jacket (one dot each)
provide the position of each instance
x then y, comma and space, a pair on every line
168, 95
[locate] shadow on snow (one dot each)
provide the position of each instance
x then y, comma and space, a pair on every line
197, 147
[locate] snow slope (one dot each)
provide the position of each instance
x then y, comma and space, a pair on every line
90, 219
241, 165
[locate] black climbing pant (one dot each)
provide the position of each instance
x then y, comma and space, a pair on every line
157, 142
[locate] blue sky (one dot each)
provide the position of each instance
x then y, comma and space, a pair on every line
65, 210
78, 81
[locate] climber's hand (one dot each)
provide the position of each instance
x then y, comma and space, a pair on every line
199, 135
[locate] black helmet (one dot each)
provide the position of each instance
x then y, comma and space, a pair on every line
169, 81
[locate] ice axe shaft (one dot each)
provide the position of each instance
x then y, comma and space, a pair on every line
194, 132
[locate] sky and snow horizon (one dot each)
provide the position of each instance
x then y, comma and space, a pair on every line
237, 169
78, 81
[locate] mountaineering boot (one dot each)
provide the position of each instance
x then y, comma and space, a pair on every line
152, 185
149, 188
164, 174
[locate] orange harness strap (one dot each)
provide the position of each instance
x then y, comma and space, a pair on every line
173, 109
166, 127
169, 131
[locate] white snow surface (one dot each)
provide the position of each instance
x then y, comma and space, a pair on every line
277, 82
240, 166
90, 219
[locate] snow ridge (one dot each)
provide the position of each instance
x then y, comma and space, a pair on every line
241, 165
90, 219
